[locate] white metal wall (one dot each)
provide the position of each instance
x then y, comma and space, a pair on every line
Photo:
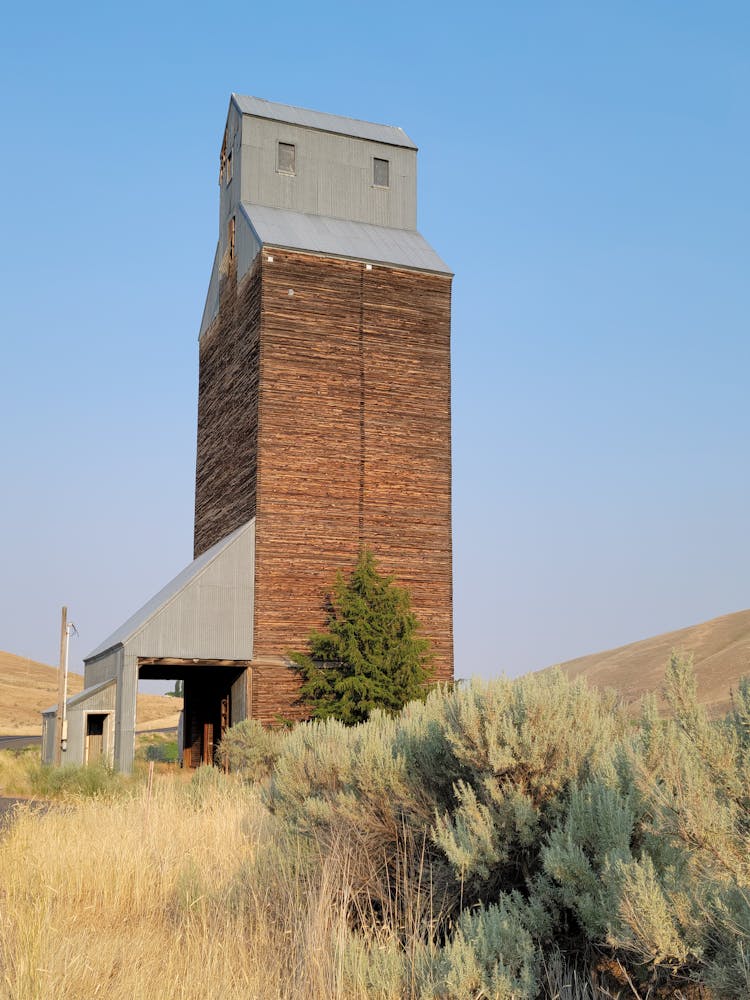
210, 618
333, 175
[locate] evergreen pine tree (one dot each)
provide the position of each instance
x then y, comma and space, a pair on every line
371, 656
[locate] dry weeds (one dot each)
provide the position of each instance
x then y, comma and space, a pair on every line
186, 895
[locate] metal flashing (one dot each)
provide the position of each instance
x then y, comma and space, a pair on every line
342, 238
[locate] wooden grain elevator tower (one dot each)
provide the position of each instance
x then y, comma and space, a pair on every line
323, 426
324, 401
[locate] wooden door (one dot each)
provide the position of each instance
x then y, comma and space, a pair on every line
207, 756
94, 738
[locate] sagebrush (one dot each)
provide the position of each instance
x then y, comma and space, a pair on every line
532, 816
502, 841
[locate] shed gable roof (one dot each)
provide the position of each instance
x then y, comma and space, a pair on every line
161, 600
81, 696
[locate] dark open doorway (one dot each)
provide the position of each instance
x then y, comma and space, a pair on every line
216, 694
95, 749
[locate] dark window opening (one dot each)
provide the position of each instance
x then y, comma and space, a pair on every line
380, 173
285, 162
223, 158
230, 238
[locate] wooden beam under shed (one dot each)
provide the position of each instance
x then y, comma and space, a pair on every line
173, 661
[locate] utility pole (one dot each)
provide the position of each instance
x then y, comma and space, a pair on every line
61, 688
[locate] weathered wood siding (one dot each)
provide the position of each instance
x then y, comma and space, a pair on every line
407, 440
354, 442
228, 412
309, 439
324, 410
274, 693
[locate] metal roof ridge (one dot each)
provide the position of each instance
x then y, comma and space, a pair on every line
209, 556
86, 692
329, 114
327, 123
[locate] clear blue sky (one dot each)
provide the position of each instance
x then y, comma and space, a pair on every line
584, 170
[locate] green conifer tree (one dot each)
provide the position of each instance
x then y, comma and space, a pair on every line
371, 656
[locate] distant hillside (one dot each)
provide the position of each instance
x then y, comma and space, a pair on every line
721, 650
28, 687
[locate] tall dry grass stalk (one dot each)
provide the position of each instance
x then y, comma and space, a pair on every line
195, 894
15, 768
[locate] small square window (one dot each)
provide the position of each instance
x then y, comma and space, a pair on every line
285, 158
380, 172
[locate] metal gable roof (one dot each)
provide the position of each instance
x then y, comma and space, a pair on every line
81, 696
321, 120
167, 594
342, 238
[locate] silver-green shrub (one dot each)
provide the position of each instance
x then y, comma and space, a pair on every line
250, 750
491, 956
651, 857
500, 823
522, 745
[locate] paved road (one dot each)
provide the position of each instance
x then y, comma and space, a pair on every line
19, 742
7, 805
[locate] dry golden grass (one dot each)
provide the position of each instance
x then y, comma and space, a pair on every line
721, 650
188, 894
28, 687
15, 771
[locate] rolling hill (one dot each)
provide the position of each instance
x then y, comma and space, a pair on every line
721, 650
28, 687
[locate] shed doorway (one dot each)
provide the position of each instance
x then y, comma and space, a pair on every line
216, 696
96, 743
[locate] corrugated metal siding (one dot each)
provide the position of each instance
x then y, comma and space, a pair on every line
248, 245
211, 617
125, 709
211, 307
103, 668
241, 699
333, 175
230, 193
333, 178
261, 108
205, 613
97, 697
229, 199
73, 754
187, 578
100, 699
48, 738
